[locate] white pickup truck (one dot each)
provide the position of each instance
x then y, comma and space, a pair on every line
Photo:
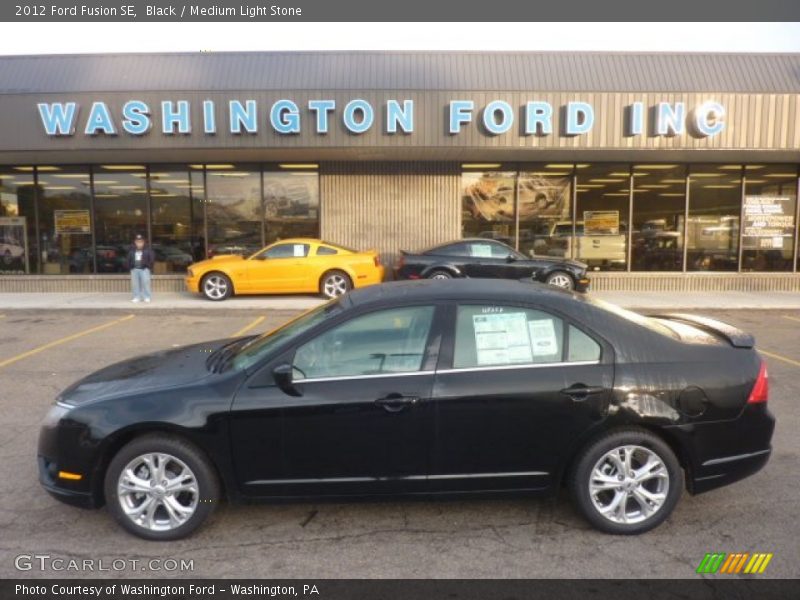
595, 250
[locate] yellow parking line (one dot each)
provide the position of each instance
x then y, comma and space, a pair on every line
63, 340
791, 361
791, 318
247, 328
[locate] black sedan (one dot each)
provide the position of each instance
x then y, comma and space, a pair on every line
439, 388
480, 257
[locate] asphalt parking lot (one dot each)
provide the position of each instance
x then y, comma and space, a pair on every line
41, 352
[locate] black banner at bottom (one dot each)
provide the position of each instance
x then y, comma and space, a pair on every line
349, 589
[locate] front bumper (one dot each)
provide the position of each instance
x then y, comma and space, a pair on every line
48, 478
192, 284
582, 284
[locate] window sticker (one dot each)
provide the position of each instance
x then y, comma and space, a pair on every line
299, 250
482, 250
501, 338
543, 337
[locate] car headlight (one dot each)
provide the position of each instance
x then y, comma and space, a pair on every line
55, 414
190, 273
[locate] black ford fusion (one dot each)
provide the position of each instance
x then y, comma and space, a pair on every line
438, 388
491, 259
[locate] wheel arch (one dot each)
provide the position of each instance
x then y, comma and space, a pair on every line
452, 269
567, 465
347, 270
121, 438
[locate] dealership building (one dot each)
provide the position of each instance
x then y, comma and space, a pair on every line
659, 170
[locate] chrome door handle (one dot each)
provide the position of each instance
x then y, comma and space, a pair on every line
582, 392
396, 402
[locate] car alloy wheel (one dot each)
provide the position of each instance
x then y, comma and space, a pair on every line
158, 492
335, 284
561, 280
629, 484
216, 287
440, 275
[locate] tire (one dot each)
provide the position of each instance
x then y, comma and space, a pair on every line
595, 466
181, 461
216, 287
334, 284
560, 279
440, 274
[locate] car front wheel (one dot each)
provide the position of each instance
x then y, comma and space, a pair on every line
440, 274
160, 487
561, 279
216, 286
627, 482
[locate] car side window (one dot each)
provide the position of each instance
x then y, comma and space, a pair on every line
489, 335
326, 251
385, 341
452, 250
286, 251
581, 346
488, 250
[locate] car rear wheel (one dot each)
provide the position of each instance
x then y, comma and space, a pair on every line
627, 482
561, 279
334, 284
216, 286
439, 274
159, 487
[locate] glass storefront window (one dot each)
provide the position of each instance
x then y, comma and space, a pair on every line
65, 221
487, 205
18, 254
234, 209
291, 204
545, 210
659, 212
715, 202
176, 202
601, 230
770, 202
120, 213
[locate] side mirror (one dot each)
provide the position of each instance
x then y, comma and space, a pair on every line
283, 379
511, 258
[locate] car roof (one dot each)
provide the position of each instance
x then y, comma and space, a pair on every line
491, 290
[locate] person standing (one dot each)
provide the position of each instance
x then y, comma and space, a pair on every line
140, 263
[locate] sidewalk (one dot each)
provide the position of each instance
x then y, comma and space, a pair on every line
184, 301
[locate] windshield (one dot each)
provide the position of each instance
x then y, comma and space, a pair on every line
259, 347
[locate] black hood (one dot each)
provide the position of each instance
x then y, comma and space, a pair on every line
160, 370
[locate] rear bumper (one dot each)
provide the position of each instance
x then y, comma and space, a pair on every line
370, 277
721, 453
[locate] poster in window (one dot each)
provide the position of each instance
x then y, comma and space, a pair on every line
768, 222
72, 221
502, 338
601, 222
13, 246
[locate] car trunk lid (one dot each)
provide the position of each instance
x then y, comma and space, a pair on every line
733, 335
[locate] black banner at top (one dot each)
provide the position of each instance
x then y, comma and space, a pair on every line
397, 10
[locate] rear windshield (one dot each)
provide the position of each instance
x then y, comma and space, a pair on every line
648, 322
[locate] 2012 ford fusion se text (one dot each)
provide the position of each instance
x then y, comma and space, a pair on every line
420, 387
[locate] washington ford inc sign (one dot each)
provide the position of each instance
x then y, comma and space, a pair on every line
358, 116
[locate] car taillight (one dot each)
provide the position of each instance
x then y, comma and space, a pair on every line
401, 262
377, 260
760, 391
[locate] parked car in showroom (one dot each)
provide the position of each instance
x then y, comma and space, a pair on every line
291, 266
485, 258
420, 387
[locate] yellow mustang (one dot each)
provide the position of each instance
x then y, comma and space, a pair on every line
293, 266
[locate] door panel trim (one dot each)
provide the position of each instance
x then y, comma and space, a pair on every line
371, 376
407, 477
577, 363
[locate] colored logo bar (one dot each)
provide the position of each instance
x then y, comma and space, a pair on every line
734, 563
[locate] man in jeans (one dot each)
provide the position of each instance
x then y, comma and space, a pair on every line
140, 263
